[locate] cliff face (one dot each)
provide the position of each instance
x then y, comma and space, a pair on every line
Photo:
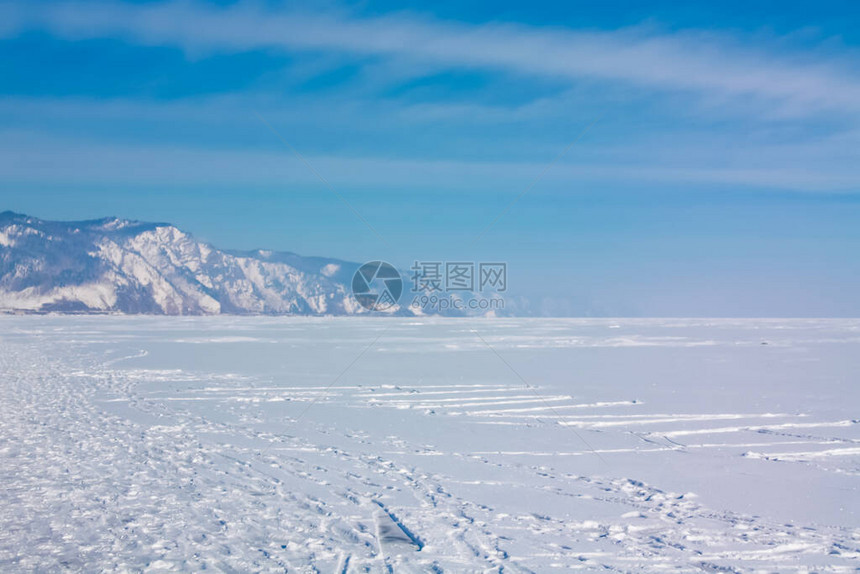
115, 265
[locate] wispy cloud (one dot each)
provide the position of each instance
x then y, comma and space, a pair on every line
362, 139
34, 158
711, 65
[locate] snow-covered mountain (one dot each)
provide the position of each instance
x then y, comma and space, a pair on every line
117, 265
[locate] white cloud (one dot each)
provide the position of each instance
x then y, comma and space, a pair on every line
693, 61
722, 73
33, 158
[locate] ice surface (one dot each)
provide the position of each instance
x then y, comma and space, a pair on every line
387, 445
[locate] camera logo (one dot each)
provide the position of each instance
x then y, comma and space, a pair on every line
377, 286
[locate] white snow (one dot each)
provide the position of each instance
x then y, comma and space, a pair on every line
298, 444
11, 233
99, 296
155, 270
330, 269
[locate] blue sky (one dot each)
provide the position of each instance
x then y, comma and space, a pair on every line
720, 174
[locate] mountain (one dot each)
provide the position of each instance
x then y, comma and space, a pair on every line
117, 265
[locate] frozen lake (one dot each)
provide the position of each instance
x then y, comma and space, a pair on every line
353, 445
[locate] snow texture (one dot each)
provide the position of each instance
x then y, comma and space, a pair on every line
272, 444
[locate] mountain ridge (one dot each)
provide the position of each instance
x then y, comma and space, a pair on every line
114, 265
